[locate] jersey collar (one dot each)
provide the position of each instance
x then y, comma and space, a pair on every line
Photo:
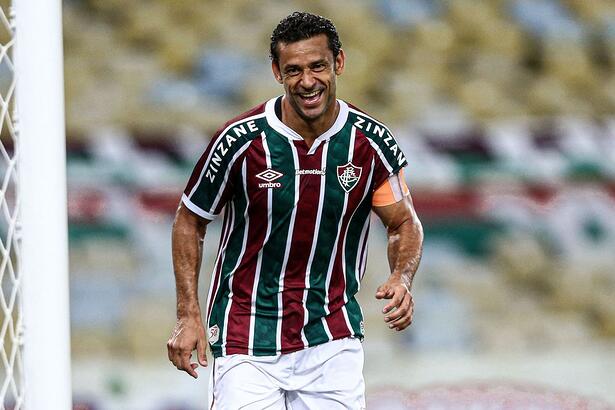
285, 130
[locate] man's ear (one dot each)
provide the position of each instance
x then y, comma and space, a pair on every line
275, 67
339, 62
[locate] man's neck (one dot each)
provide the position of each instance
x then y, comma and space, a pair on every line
309, 130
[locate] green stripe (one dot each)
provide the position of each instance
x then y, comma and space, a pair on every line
332, 207
231, 255
283, 199
353, 247
355, 317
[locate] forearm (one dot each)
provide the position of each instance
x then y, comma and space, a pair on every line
187, 247
405, 247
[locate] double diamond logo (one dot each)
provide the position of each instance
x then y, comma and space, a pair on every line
348, 176
269, 175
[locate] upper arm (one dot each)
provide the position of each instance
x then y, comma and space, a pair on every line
394, 215
188, 221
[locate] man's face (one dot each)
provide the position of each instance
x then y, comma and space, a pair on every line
307, 69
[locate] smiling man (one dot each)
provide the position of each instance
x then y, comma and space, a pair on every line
298, 177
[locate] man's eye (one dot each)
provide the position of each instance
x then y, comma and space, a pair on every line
318, 67
292, 71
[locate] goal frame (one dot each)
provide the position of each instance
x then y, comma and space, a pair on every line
43, 195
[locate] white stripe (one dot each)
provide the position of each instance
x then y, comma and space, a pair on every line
226, 232
243, 249
326, 326
365, 192
353, 133
287, 250
362, 239
337, 236
359, 264
376, 148
323, 180
220, 139
259, 260
196, 209
364, 259
343, 256
347, 320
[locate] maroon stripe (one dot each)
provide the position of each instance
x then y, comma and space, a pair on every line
238, 332
198, 169
337, 324
301, 245
226, 230
337, 287
229, 187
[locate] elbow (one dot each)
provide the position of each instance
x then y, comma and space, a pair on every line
417, 227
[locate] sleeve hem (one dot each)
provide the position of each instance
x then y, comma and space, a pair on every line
194, 208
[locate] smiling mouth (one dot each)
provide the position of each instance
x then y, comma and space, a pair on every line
311, 98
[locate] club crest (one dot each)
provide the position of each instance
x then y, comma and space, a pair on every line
348, 176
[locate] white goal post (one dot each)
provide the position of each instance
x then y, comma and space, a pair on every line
43, 237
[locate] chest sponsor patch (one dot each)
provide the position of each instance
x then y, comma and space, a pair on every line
348, 176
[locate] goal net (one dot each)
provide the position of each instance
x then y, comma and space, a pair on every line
11, 373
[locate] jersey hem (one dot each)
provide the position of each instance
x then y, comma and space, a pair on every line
288, 350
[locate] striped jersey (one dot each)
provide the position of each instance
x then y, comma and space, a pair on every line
293, 245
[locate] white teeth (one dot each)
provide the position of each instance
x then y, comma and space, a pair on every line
309, 95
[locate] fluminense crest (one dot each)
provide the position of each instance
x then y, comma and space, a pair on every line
348, 176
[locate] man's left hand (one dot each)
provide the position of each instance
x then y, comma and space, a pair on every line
398, 312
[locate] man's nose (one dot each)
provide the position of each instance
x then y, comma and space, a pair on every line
307, 79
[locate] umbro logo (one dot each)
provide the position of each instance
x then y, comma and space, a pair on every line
269, 175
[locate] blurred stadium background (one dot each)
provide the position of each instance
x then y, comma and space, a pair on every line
506, 111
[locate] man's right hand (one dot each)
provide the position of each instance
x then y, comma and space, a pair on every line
188, 334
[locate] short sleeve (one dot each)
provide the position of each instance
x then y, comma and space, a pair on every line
211, 183
388, 161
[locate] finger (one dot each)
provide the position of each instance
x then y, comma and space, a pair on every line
400, 312
174, 352
386, 293
398, 296
186, 366
382, 291
201, 349
405, 321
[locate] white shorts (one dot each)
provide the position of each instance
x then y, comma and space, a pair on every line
327, 376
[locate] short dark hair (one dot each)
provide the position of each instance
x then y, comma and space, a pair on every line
301, 26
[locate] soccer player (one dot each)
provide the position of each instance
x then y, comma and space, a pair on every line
298, 177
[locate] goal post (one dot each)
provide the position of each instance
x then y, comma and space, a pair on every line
42, 181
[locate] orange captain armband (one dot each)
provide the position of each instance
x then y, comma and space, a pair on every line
391, 191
